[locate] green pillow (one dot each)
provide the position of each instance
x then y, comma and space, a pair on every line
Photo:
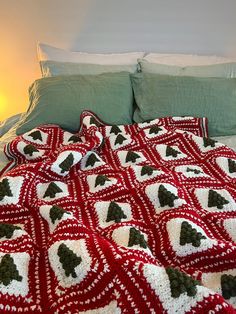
54, 68
227, 70
61, 99
163, 95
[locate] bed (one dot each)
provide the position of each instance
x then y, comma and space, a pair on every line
119, 210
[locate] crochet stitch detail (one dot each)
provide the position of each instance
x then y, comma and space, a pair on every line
181, 283
189, 234
52, 190
8, 270
68, 259
166, 197
215, 199
115, 213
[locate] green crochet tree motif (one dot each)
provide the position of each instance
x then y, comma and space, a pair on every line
101, 180
228, 286
5, 189
166, 197
120, 139
170, 151
155, 129
52, 190
207, 141
115, 130
195, 171
188, 234
56, 213
8, 270
92, 159
181, 283
136, 238
216, 200
74, 139
232, 165
115, 213
94, 121
36, 135
30, 149
147, 170
68, 259
7, 230
131, 156
66, 164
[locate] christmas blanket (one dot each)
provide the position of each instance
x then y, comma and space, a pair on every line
118, 219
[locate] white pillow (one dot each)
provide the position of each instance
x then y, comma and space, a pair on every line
46, 52
185, 59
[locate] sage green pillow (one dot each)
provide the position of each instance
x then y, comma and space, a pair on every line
163, 95
227, 70
61, 99
54, 68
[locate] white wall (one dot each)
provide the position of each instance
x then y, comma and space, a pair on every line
193, 26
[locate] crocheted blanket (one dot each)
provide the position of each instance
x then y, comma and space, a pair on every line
118, 219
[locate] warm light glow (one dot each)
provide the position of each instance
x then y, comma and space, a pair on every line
3, 104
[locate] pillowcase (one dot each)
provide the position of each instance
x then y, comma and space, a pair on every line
54, 68
164, 95
46, 52
185, 59
214, 70
61, 99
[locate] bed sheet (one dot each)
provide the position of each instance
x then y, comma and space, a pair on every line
227, 140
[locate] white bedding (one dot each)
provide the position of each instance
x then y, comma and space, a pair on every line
11, 134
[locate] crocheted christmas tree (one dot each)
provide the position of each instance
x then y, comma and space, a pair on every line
120, 139
131, 156
209, 142
5, 189
68, 259
74, 139
115, 213
166, 197
7, 230
8, 270
94, 121
115, 130
56, 213
232, 165
170, 151
147, 170
66, 164
181, 283
216, 200
101, 180
52, 190
188, 234
136, 238
228, 286
195, 171
36, 135
92, 159
30, 149
155, 129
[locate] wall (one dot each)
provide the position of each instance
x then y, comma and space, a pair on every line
203, 26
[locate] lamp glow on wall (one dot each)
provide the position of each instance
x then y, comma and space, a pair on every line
3, 105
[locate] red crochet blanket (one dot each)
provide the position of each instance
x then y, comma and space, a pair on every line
118, 219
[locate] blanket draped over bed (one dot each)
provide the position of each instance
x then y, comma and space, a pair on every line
118, 219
